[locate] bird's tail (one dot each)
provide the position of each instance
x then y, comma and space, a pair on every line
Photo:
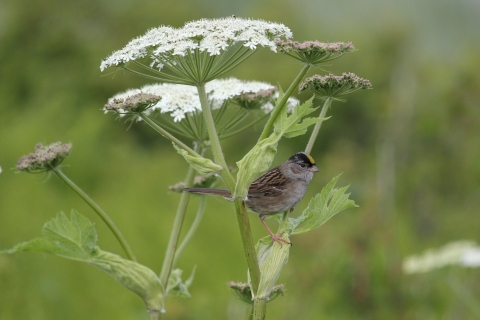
217, 192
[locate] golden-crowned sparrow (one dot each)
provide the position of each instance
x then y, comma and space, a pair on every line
277, 190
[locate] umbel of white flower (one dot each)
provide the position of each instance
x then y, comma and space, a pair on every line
180, 100
198, 52
182, 104
463, 253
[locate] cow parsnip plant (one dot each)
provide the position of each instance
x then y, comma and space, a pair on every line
195, 109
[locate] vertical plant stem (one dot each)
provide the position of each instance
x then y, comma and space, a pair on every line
242, 217
214, 140
248, 244
192, 230
318, 125
259, 309
154, 315
102, 214
281, 104
177, 227
250, 315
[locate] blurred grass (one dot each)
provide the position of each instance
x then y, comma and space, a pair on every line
409, 148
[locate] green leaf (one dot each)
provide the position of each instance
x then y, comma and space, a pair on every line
73, 239
133, 276
301, 128
44, 245
322, 207
77, 234
260, 157
76, 238
271, 260
284, 123
200, 164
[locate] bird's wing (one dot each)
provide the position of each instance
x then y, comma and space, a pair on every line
271, 184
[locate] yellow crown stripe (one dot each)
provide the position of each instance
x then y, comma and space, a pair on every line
311, 159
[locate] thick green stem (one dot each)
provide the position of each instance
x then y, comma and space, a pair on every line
281, 104
259, 309
103, 215
242, 216
248, 244
167, 135
192, 230
214, 140
154, 315
317, 127
250, 314
175, 233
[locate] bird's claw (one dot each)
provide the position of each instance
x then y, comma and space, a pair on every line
279, 239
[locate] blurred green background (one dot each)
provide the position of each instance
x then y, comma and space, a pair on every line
410, 150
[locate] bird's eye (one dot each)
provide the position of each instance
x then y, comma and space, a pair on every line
302, 165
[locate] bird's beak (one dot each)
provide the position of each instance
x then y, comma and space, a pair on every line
313, 169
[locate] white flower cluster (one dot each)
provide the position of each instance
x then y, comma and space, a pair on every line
210, 35
463, 253
471, 257
178, 100
220, 90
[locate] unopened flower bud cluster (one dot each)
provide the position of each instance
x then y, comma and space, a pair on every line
44, 158
255, 100
334, 86
135, 103
314, 52
285, 46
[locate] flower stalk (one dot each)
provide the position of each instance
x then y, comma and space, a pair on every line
318, 125
192, 230
248, 244
154, 315
278, 108
259, 309
102, 214
214, 140
242, 217
175, 234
